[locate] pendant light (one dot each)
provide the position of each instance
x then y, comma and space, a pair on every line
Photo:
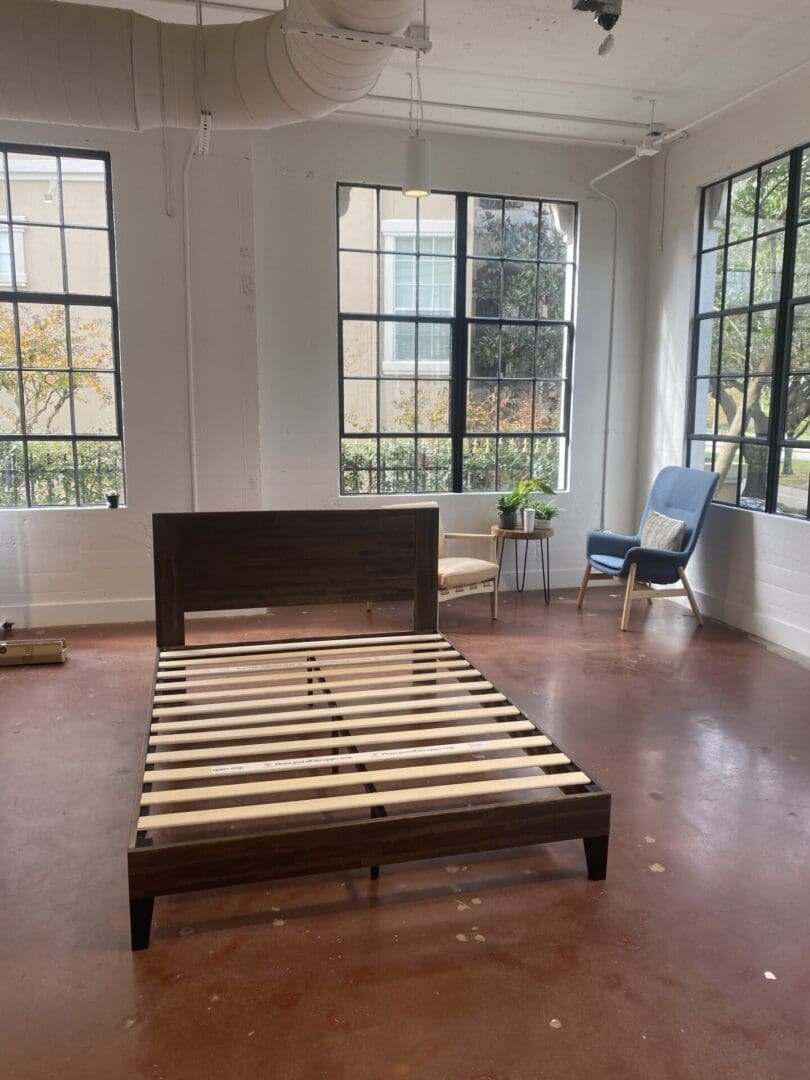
417, 148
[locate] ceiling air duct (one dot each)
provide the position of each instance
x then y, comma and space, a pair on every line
68, 63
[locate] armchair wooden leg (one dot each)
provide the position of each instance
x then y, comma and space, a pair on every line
628, 596
493, 600
687, 588
583, 586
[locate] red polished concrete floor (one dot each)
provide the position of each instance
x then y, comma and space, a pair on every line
503, 967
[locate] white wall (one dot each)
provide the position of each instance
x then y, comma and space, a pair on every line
61, 566
295, 172
751, 569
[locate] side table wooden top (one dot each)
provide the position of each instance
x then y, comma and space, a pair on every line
519, 534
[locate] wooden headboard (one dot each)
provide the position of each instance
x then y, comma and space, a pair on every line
271, 558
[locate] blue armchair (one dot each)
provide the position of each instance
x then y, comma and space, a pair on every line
679, 493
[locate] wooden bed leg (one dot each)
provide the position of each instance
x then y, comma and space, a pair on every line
140, 921
374, 872
583, 586
596, 855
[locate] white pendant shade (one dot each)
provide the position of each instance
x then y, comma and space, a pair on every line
417, 167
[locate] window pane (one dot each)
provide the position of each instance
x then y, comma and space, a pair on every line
397, 348
804, 195
715, 210
758, 407
12, 474
88, 261
484, 284
51, 472
768, 273
436, 286
433, 413
754, 476
520, 290
797, 407
557, 232
8, 337
3, 194
482, 405
397, 465
515, 407
434, 209
801, 271
433, 464
43, 338
43, 260
552, 351
520, 229
101, 471
730, 413
359, 405
46, 402
358, 282
6, 275
10, 420
548, 463
763, 331
705, 406
398, 287
712, 265
548, 406
359, 466
434, 350
514, 461
800, 339
773, 195
34, 188
479, 464
359, 348
727, 463
397, 405
485, 216
554, 291
357, 217
735, 342
793, 495
91, 337
708, 347
743, 204
398, 208
94, 404
738, 275
84, 191
484, 350
700, 454
517, 351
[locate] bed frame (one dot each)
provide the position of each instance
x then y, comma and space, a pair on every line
266, 760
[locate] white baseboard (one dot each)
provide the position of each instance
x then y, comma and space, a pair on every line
78, 613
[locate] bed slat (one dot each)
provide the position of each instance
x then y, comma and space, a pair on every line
275, 647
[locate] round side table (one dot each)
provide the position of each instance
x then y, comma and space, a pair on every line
542, 536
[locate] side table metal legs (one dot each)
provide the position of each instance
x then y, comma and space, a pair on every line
520, 575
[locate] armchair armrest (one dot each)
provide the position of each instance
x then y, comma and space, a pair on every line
656, 565
605, 543
476, 536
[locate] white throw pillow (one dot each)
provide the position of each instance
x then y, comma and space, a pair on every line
663, 532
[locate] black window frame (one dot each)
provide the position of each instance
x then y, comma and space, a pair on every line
460, 321
784, 307
66, 299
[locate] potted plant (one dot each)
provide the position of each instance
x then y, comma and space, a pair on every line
508, 506
544, 511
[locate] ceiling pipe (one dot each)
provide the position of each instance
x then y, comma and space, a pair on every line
109, 68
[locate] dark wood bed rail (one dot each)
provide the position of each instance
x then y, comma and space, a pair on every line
275, 558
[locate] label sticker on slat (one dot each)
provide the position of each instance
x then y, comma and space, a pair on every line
347, 759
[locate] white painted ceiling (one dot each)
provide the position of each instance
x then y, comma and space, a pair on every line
532, 67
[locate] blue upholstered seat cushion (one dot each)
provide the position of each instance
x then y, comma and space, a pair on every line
606, 564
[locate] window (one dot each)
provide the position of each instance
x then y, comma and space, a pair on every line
455, 339
750, 402
60, 396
